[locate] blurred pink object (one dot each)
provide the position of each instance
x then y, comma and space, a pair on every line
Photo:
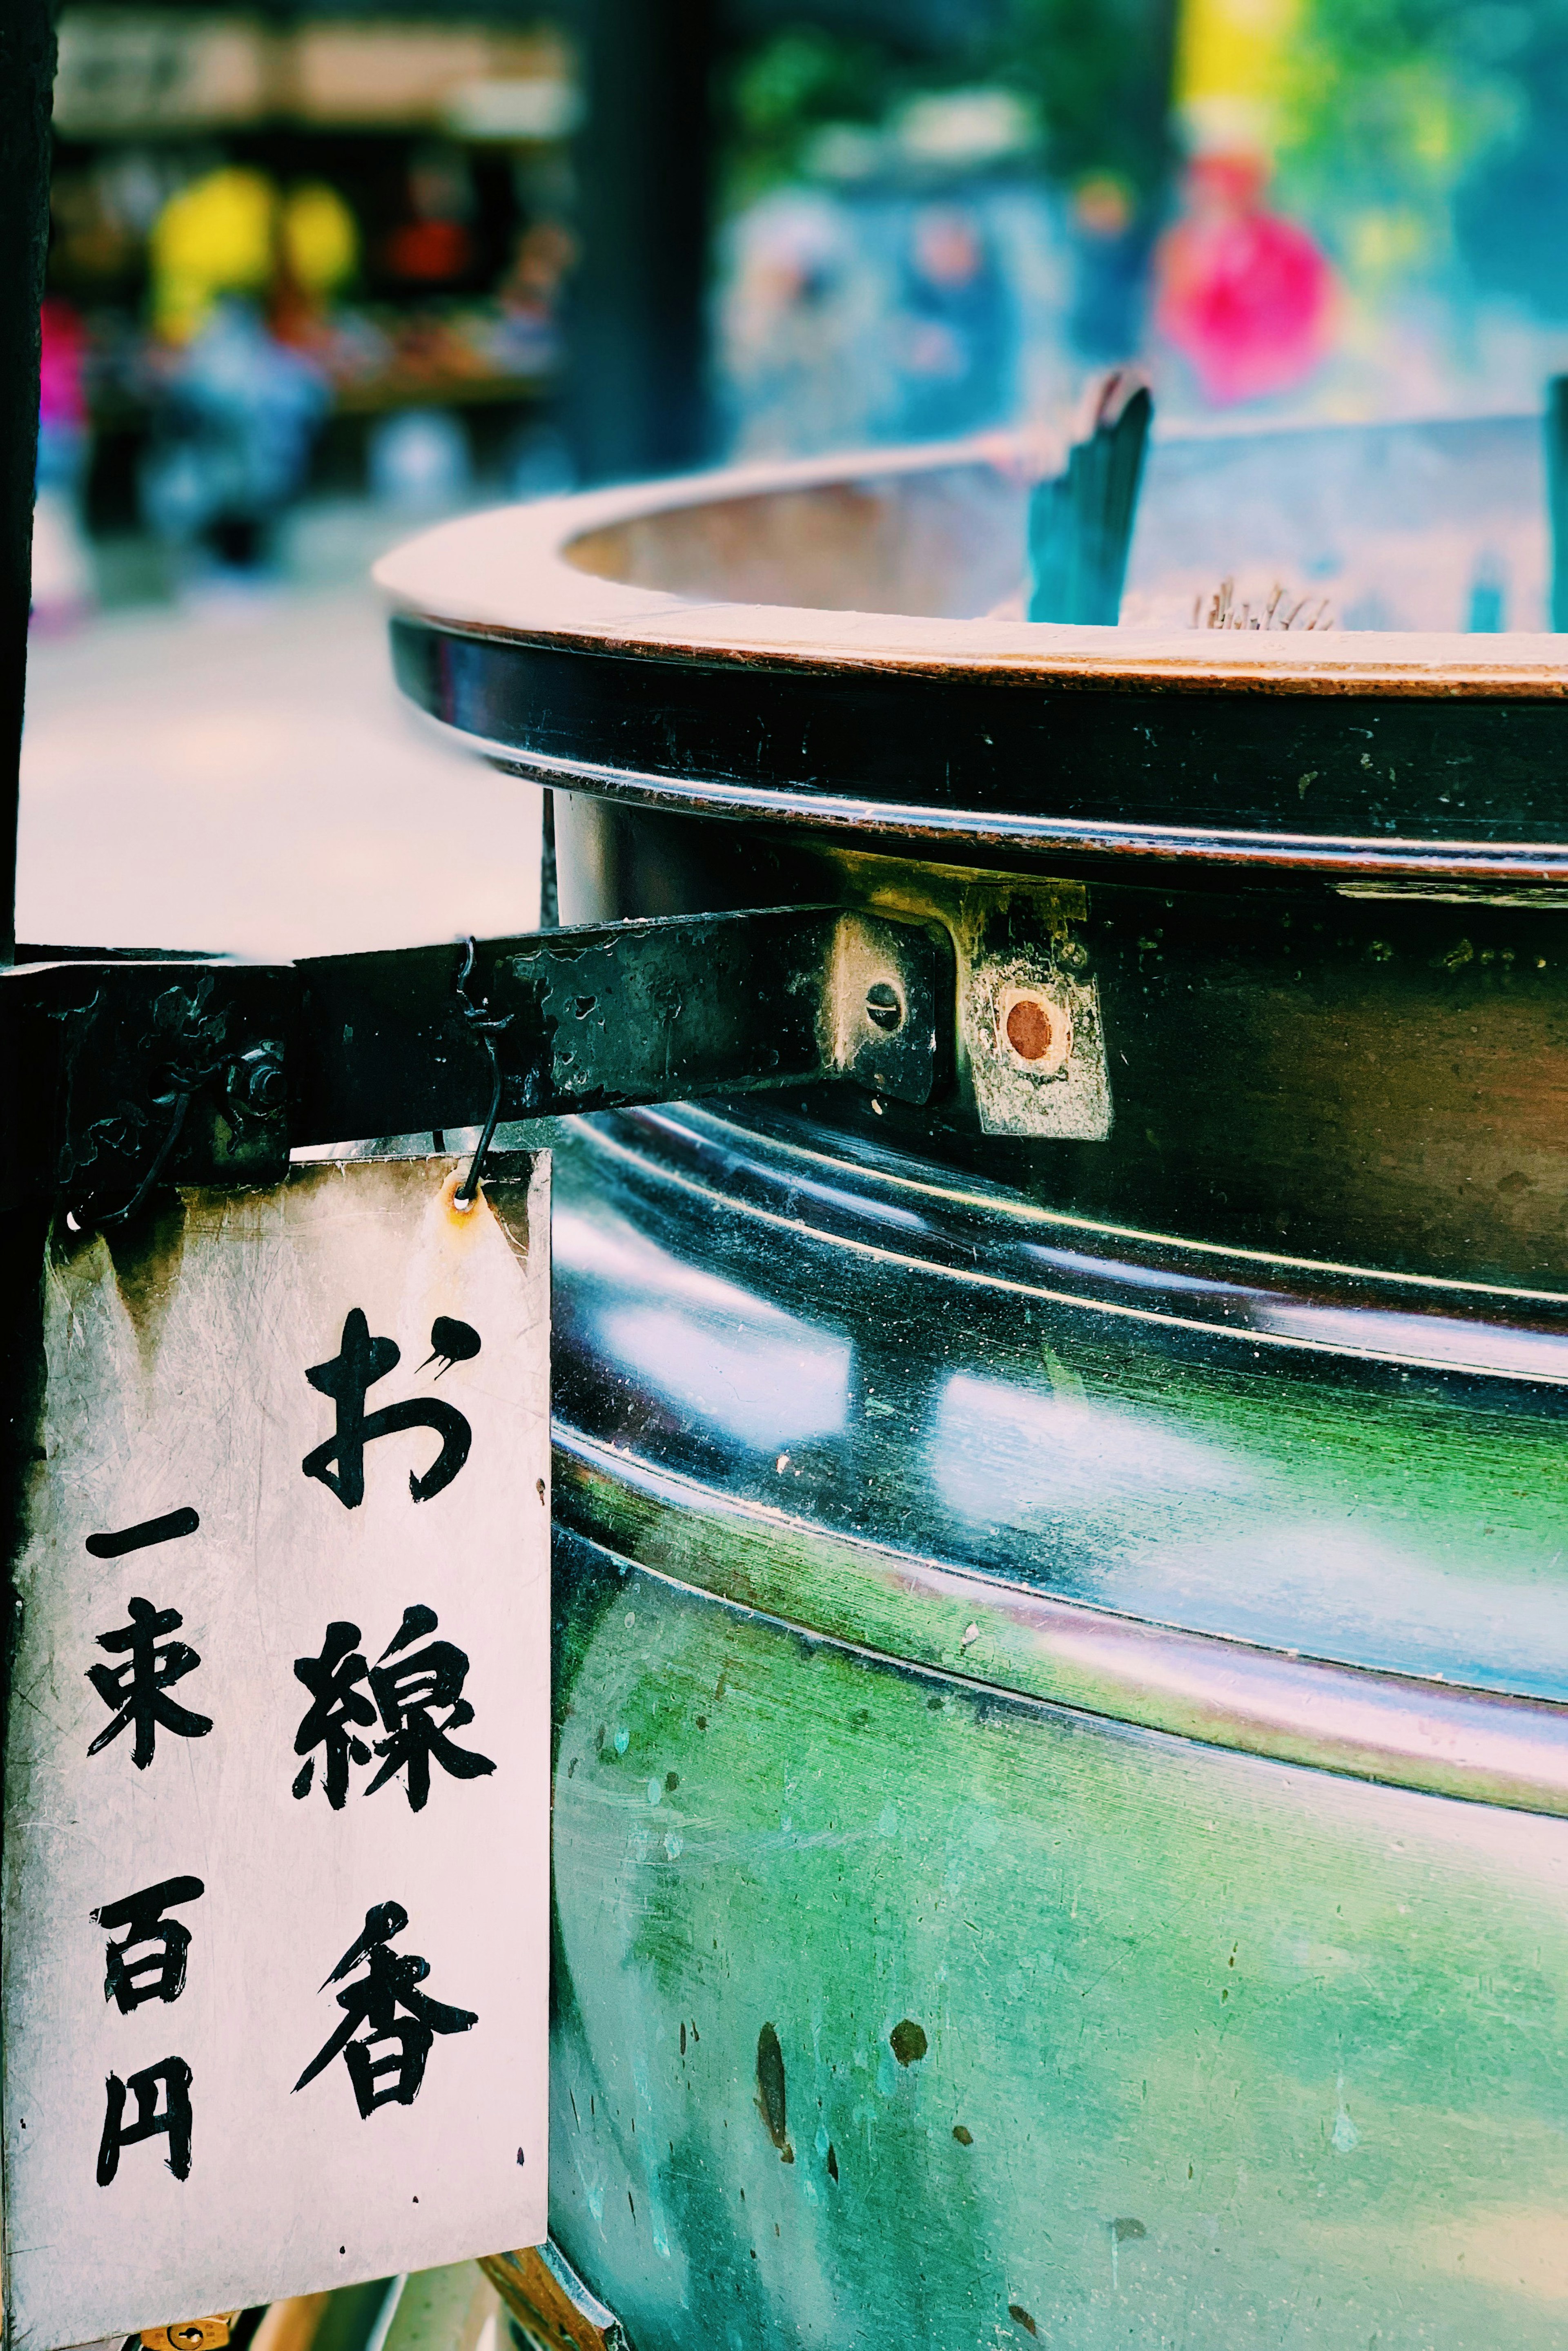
60, 398
63, 589
1247, 297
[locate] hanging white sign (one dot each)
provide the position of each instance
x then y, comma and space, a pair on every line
277, 1767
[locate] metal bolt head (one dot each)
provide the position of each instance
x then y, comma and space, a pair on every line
884, 1007
259, 1077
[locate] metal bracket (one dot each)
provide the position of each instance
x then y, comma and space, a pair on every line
553, 2309
116, 1073
632, 1013
1029, 1016
191, 2334
122, 1074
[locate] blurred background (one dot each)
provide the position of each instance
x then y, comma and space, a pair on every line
319, 274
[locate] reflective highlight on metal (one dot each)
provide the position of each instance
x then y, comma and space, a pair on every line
1469, 1743
1052, 1512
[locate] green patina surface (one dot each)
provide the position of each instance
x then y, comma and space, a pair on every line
1215, 2051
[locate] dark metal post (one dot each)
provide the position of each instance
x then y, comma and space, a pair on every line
638, 399
26, 79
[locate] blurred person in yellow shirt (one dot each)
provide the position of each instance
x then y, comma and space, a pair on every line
240, 275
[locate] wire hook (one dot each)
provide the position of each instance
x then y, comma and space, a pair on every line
480, 1021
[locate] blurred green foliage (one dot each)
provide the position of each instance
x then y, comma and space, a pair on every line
777, 96
1421, 135
1097, 73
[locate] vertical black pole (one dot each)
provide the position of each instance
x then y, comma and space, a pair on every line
26, 79
549, 886
1557, 494
638, 398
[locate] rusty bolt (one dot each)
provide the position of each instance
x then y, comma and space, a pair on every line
1029, 1029
1036, 1030
883, 1008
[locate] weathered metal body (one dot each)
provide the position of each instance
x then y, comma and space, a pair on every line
1060, 1800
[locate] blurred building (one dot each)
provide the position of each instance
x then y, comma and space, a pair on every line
383, 202
488, 238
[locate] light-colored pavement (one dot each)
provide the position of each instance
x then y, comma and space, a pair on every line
246, 779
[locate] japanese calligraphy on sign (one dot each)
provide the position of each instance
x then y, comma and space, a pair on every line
278, 1766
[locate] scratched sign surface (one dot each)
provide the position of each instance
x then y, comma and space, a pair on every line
277, 1769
